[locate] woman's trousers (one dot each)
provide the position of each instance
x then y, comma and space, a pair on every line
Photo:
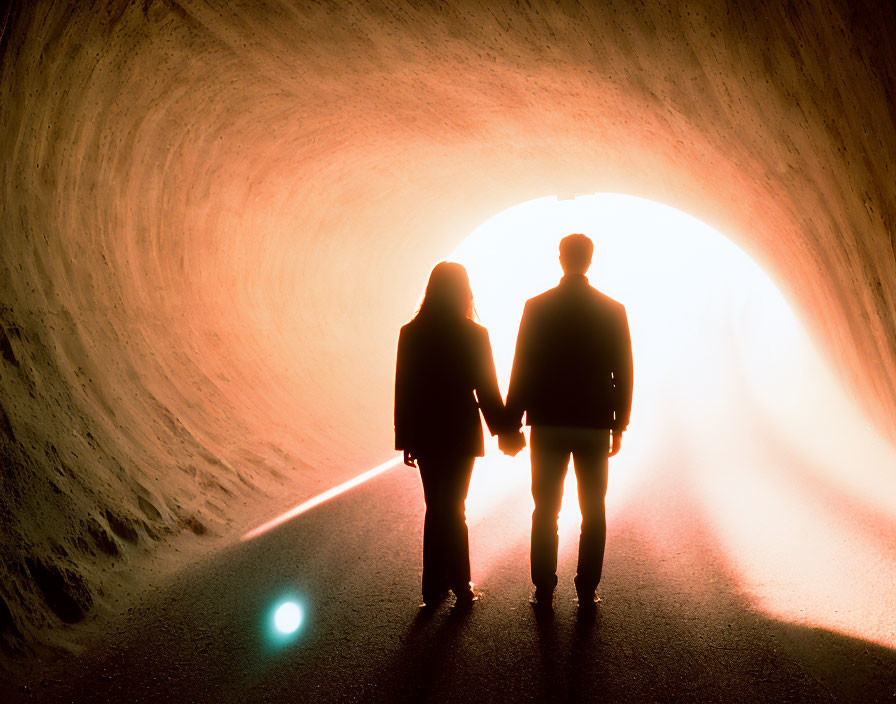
446, 546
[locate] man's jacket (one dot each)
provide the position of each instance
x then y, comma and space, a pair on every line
573, 360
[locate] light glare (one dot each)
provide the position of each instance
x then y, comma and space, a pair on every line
731, 401
288, 617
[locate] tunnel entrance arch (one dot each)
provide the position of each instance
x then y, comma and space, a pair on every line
693, 297
731, 398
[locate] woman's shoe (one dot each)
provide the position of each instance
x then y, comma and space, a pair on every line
465, 596
542, 597
432, 601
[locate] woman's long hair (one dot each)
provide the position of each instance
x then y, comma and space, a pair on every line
448, 293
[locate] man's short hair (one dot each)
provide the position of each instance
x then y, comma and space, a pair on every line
576, 249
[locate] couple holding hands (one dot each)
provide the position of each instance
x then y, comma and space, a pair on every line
571, 377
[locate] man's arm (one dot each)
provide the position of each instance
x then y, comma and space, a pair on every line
622, 379
518, 391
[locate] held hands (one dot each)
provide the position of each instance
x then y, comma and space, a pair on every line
510, 443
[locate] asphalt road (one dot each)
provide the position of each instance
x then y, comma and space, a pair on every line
672, 628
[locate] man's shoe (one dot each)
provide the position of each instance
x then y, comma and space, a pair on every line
542, 597
588, 600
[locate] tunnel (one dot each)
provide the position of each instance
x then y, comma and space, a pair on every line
216, 217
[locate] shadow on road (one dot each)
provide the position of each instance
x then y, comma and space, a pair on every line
673, 625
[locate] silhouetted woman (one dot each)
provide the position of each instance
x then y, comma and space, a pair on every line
445, 374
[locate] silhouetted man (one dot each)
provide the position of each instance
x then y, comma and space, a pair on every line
572, 377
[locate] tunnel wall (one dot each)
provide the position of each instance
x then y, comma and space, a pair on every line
216, 216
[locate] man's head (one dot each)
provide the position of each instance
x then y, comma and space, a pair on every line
575, 253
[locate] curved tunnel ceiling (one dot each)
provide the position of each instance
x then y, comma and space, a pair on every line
216, 218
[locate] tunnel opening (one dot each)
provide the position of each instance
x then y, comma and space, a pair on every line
729, 384
730, 388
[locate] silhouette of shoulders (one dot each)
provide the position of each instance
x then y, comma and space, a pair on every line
443, 338
454, 324
571, 290
572, 364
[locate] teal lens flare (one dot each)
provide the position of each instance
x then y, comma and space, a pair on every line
288, 617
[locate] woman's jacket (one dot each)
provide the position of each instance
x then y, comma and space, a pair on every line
444, 375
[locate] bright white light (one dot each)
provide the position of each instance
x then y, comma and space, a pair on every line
671, 271
733, 408
288, 617
684, 286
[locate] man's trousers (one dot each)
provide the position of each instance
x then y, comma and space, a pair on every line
551, 447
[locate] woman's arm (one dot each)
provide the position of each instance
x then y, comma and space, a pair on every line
487, 392
518, 393
402, 391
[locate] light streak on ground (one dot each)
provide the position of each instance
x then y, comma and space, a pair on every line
321, 498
